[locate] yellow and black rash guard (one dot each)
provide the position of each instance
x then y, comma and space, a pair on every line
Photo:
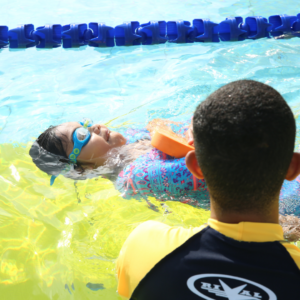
152, 241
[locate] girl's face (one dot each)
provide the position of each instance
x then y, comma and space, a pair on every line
95, 151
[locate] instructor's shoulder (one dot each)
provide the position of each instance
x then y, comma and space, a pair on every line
153, 234
147, 244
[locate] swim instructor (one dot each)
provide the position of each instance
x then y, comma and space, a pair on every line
244, 135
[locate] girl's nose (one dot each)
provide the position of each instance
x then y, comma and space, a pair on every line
96, 128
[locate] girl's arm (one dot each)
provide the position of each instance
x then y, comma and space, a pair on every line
161, 123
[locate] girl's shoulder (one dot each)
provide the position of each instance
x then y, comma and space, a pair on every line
139, 132
135, 134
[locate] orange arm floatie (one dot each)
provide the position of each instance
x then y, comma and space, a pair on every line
170, 143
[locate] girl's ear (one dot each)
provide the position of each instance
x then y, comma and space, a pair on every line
192, 164
294, 168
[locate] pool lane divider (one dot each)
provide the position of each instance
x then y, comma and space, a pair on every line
154, 32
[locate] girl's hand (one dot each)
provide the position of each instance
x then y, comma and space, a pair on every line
162, 124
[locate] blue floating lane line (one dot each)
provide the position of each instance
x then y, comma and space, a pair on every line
133, 33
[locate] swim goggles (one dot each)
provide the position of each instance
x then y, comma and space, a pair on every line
81, 136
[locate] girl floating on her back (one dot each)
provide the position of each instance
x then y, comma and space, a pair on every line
137, 169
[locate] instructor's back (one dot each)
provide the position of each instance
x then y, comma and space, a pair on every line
244, 135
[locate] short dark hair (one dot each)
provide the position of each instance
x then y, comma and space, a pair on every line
244, 135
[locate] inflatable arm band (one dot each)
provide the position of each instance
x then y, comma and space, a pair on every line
170, 143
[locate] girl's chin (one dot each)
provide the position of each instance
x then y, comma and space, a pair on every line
123, 140
117, 139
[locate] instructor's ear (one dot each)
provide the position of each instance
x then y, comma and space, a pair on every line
294, 168
192, 164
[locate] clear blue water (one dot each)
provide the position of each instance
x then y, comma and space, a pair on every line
39, 88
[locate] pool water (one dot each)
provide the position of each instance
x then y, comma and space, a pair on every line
61, 242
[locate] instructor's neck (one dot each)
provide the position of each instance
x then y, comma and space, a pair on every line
236, 217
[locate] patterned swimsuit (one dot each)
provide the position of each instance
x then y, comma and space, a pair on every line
163, 177
289, 199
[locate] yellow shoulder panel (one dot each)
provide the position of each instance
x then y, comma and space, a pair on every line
144, 248
294, 252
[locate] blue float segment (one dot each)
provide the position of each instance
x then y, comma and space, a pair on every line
153, 32
101, 35
3, 36
296, 25
205, 31
75, 35
48, 36
281, 24
21, 37
180, 32
256, 27
229, 30
125, 34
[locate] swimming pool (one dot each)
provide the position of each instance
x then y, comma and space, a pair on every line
61, 242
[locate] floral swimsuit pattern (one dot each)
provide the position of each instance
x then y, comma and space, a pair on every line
161, 176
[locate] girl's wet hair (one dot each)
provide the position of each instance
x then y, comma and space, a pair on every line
48, 152
49, 141
49, 155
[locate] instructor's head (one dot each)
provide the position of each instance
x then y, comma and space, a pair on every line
244, 136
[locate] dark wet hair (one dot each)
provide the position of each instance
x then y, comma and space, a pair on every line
49, 141
48, 152
244, 135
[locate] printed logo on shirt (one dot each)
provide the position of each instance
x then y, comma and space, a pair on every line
219, 286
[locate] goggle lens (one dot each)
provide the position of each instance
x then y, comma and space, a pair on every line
81, 133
